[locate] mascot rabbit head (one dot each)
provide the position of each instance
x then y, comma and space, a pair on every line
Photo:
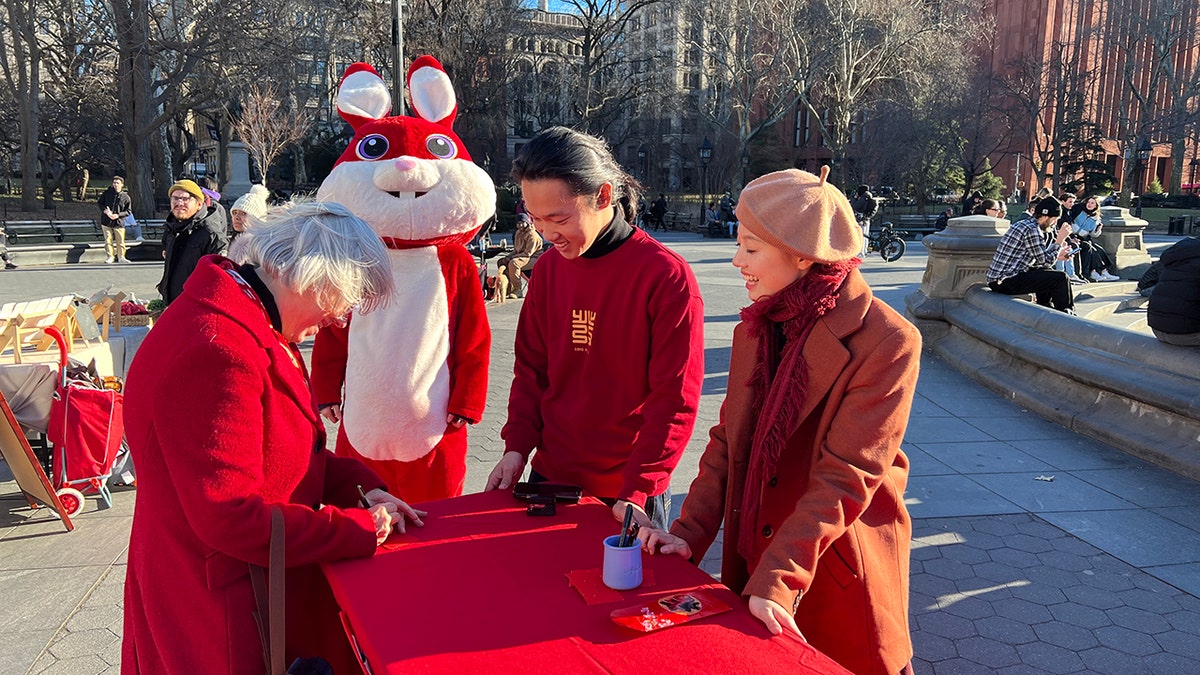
410, 178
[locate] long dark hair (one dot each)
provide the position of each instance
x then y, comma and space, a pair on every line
581, 161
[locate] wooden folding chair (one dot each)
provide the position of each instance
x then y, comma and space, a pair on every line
29, 318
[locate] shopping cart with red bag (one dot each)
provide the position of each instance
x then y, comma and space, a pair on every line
86, 427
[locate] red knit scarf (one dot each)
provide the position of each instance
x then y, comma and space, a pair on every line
782, 323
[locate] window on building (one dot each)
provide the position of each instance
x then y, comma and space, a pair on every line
691, 81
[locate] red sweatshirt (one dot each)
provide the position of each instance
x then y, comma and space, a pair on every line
609, 367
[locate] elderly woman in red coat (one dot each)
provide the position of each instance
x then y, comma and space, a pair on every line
222, 424
805, 466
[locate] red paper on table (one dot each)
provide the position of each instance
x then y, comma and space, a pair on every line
669, 610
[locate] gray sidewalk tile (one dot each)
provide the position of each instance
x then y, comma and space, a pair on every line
983, 457
1146, 486
1064, 493
922, 463
19, 649
980, 406
923, 407
1140, 538
942, 430
41, 546
1077, 454
1184, 576
1024, 427
42, 599
952, 496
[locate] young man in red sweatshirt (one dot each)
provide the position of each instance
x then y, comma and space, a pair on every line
610, 344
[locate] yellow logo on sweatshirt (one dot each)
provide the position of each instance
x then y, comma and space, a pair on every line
582, 323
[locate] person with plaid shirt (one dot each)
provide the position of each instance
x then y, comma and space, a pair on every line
1025, 256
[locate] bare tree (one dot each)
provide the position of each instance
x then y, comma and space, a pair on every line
1155, 43
267, 126
22, 74
860, 53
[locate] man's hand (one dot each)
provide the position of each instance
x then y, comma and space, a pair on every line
507, 470
774, 616
657, 541
1063, 231
1064, 252
457, 421
639, 514
397, 510
332, 412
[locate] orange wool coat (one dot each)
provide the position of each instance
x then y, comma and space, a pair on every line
832, 538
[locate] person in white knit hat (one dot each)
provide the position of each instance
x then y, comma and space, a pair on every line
249, 208
246, 212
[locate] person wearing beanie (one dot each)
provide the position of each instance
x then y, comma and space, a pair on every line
191, 231
1025, 257
249, 209
609, 350
805, 467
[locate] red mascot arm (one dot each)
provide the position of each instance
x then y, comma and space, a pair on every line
470, 334
329, 364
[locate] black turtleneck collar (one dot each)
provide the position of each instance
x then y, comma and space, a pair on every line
611, 237
250, 274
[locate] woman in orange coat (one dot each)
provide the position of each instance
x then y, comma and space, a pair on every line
223, 427
805, 466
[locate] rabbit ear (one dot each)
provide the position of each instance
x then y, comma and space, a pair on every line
431, 92
362, 96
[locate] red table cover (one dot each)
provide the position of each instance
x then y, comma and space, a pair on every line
483, 588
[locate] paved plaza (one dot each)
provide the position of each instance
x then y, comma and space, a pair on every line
1035, 549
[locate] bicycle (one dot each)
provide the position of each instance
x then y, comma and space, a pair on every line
888, 242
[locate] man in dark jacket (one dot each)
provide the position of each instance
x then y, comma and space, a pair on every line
115, 205
191, 232
1174, 309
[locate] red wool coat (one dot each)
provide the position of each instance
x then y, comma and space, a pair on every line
222, 424
832, 537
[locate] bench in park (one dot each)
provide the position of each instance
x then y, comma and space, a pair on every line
674, 220
152, 229
917, 224
20, 232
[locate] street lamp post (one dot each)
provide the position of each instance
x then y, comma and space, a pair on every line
1194, 163
745, 163
705, 156
1143, 158
642, 161
398, 57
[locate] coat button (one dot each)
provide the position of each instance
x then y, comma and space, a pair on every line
767, 532
773, 482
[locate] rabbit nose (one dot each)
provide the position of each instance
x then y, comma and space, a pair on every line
406, 164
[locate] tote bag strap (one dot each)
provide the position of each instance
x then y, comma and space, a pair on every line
269, 594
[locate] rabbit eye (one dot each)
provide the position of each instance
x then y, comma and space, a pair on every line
371, 147
441, 146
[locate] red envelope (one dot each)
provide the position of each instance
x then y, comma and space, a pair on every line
669, 610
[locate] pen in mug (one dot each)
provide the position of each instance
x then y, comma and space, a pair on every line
623, 541
362, 497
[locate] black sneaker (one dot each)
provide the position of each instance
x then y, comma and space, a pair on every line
9, 266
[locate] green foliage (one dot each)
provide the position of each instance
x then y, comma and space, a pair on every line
989, 184
1154, 188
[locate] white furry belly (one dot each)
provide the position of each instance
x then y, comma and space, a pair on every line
397, 379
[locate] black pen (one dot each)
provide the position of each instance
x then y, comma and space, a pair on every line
623, 542
363, 497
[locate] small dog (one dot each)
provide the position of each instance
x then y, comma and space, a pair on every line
501, 286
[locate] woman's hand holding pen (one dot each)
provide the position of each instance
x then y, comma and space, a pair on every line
658, 541
389, 512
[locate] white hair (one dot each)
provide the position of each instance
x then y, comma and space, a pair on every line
322, 250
